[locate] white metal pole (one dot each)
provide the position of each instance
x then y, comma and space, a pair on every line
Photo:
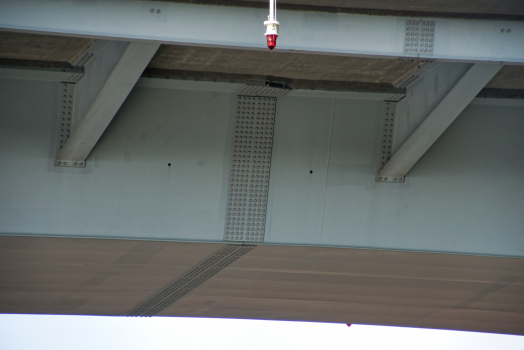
272, 10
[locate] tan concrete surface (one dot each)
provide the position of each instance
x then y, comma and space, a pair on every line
278, 64
366, 287
302, 67
110, 277
88, 276
42, 50
302, 70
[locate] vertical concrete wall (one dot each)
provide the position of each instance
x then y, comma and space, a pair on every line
464, 196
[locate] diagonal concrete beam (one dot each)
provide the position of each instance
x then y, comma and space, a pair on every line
437, 121
99, 113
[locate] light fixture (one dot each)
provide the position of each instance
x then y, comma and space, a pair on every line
272, 25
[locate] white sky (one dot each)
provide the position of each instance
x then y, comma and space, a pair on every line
100, 333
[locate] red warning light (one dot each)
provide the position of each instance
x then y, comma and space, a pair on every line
349, 324
272, 25
271, 41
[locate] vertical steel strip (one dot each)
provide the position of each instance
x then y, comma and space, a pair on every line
65, 114
249, 171
386, 139
65, 122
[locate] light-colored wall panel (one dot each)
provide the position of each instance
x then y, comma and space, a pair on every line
127, 189
464, 196
298, 170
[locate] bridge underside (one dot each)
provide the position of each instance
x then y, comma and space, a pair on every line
110, 277
152, 176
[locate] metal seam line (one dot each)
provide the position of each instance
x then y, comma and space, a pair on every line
65, 117
327, 169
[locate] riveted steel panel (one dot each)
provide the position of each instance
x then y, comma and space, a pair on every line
386, 140
249, 171
65, 114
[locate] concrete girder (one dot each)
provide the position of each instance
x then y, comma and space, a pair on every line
42, 74
429, 108
344, 34
109, 79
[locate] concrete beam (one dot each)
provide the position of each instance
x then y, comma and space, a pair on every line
121, 79
344, 34
50, 51
437, 121
42, 74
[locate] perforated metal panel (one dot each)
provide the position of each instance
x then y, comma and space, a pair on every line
249, 171
190, 280
386, 139
419, 37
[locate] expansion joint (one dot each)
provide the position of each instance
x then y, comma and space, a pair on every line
193, 278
